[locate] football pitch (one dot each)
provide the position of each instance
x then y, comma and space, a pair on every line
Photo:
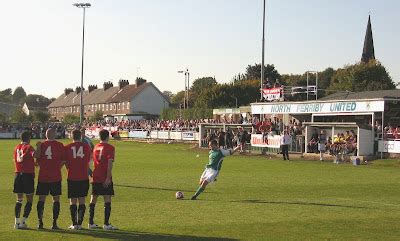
255, 198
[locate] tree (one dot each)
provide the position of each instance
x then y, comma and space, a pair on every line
362, 77
178, 98
168, 94
192, 113
71, 119
203, 83
6, 92
19, 95
37, 101
41, 116
97, 116
3, 118
6, 95
19, 116
253, 72
226, 95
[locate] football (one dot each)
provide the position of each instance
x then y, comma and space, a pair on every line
179, 195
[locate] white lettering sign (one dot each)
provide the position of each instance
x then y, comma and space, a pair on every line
318, 107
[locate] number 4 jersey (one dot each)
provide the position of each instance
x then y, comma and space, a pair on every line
50, 161
77, 156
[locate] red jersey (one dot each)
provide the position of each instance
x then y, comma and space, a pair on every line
77, 156
23, 158
103, 153
50, 161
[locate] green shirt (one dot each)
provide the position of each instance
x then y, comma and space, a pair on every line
216, 158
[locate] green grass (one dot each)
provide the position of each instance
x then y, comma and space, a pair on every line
255, 198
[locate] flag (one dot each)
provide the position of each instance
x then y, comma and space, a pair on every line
25, 109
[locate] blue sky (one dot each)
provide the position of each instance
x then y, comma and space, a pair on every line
41, 39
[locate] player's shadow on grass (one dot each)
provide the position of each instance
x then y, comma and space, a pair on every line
155, 188
128, 235
300, 203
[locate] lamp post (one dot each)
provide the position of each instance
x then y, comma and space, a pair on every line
262, 54
83, 6
186, 97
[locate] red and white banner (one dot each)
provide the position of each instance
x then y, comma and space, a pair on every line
271, 141
272, 94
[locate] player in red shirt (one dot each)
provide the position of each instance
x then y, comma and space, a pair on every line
24, 178
77, 156
50, 160
103, 158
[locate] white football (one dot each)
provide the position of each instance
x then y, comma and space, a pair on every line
179, 195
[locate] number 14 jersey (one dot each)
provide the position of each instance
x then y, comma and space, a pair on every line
77, 156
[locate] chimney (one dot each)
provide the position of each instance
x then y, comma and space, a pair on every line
107, 85
140, 81
122, 83
92, 87
78, 90
68, 90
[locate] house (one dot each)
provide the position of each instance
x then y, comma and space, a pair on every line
125, 101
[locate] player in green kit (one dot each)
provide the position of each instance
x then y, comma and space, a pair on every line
216, 156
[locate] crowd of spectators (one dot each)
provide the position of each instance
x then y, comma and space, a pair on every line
160, 125
390, 131
342, 143
275, 126
230, 138
37, 129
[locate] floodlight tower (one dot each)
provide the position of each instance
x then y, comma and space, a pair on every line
83, 6
187, 85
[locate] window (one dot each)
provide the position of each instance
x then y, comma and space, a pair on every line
123, 105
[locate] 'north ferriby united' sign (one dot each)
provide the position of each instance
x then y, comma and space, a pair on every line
317, 107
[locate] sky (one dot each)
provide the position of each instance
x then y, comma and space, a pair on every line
40, 44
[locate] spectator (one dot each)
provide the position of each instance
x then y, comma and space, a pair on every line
313, 143
285, 142
321, 144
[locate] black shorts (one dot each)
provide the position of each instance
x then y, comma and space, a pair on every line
78, 188
100, 190
24, 183
44, 188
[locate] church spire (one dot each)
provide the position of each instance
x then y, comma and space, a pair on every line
368, 50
